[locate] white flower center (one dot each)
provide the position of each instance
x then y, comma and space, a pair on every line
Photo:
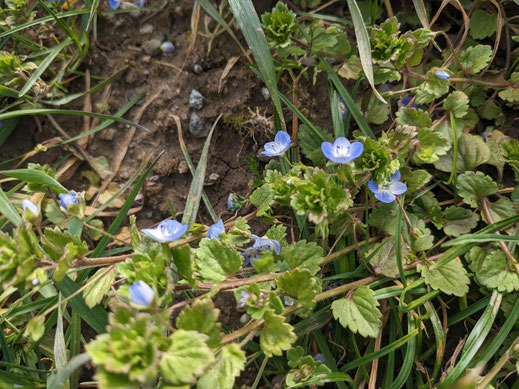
341, 151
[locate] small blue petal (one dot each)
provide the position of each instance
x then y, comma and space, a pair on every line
68, 198
405, 102
27, 204
141, 293
215, 230
289, 301
268, 244
232, 202
114, 4
442, 75
281, 143
319, 357
356, 150
385, 196
327, 149
166, 231
396, 176
167, 47
397, 188
343, 107
372, 186
140, 3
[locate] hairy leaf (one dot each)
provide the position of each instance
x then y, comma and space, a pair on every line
450, 278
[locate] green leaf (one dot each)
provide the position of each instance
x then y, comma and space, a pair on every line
279, 25
431, 89
187, 357
413, 117
432, 145
475, 58
278, 232
416, 179
229, 363
250, 26
8, 210
358, 311
501, 209
384, 217
458, 103
59, 378
310, 144
472, 152
489, 110
511, 94
216, 261
493, 270
291, 283
94, 293
473, 187
262, 198
202, 317
60, 349
384, 261
36, 327
450, 278
400, 139
482, 24
378, 112
276, 336
239, 233
363, 45
420, 237
303, 255
35, 176
459, 221
182, 256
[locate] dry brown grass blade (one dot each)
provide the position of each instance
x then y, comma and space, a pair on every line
230, 63
87, 107
195, 19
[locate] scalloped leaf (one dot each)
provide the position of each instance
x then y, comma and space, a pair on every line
229, 363
291, 283
450, 278
277, 336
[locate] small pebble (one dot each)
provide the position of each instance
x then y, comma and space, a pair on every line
197, 126
146, 58
149, 214
124, 175
146, 29
214, 177
196, 100
152, 46
183, 167
197, 68
265, 93
154, 178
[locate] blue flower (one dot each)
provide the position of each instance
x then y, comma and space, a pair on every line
342, 151
114, 4
141, 293
69, 198
261, 244
442, 74
343, 107
389, 190
319, 357
140, 3
167, 47
215, 230
232, 202
405, 102
289, 301
27, 204
243, 298
166, 231
279, 146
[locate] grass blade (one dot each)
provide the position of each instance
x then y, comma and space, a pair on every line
327, 354
7, 129
250, 26
480, 238
8, 210
58, 380
197, 185
364, 46
60, 349
36, 177
41, 111
43, 66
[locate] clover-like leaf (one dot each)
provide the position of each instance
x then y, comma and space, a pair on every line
216, 261
358, 311
262, 198
482, 24
450, 278
473, 187
493, 271
202, 317
475, 58
472, 152
187, 357
292, 284
459, 221
277, 336
303, 255
432, 145
229, 362
458, 103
